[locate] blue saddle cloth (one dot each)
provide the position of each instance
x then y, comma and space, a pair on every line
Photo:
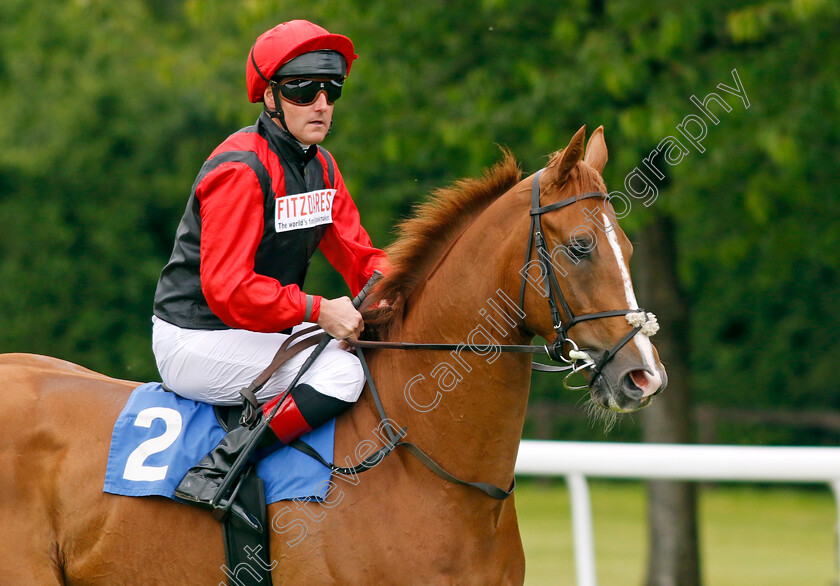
160, 435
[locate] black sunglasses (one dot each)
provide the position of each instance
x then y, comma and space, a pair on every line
304, 91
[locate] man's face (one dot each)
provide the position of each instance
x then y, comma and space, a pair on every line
310, 123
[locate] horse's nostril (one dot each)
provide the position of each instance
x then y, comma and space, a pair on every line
643, 381
639, 378
630, 388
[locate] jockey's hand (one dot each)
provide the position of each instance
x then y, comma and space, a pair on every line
340, 319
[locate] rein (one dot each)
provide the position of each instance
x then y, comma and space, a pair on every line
511, 348
395, 440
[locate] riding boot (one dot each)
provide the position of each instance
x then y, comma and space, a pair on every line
201, 484
304, 410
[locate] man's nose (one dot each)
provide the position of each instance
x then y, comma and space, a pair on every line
321, 100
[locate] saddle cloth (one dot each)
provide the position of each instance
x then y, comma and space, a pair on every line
159, 436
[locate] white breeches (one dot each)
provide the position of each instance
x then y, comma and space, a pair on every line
211, 366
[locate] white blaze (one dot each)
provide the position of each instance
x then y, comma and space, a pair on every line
642, 341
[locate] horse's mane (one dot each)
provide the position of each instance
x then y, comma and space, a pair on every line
426, 236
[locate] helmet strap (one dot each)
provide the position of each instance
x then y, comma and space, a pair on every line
278, 111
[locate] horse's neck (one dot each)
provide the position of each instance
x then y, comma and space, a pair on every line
466, 408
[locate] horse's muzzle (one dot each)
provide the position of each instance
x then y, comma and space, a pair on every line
626, 387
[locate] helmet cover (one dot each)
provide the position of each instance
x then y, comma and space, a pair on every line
276, 47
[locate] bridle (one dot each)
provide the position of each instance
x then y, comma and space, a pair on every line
562, 322
578, 360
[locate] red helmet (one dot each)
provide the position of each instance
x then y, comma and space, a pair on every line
276, 47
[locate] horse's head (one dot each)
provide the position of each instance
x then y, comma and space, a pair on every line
579, 294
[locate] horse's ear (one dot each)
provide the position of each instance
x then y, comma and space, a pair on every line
596, 150
564, 161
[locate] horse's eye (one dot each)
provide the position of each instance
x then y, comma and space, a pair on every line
580, 248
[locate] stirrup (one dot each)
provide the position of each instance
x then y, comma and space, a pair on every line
237, 512
222, 508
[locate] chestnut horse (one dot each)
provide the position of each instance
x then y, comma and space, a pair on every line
456, 274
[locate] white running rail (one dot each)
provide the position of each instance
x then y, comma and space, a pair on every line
578, 460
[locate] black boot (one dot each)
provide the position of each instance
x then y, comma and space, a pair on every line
202, 482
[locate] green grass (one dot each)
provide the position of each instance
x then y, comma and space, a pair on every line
748, 535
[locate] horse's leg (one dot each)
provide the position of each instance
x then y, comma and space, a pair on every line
28, 549
29, 552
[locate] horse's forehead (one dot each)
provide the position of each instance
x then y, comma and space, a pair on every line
581, 179
586, 210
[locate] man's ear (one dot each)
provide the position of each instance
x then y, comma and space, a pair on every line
268, 98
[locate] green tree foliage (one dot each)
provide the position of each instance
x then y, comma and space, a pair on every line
108, 110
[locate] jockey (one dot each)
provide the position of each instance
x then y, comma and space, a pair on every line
231, 293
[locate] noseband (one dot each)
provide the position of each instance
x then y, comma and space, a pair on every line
578, 360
